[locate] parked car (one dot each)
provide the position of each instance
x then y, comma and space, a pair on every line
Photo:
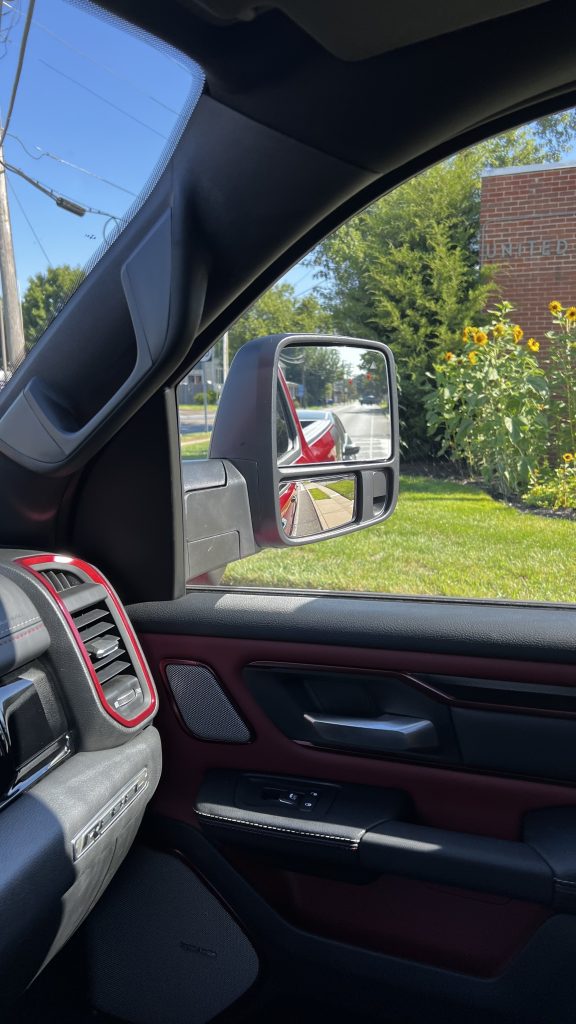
315, 421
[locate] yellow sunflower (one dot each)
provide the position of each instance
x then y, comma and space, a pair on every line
555, 308
448, 356
498, 330
571, 314
466, 333
568, 457
518, 333
533, 345
480, 338
473, 357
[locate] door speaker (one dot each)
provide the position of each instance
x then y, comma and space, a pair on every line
206, 710
163, 948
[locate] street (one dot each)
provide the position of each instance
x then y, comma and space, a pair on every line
369, 427
195, 421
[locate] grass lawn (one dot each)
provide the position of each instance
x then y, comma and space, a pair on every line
194, 446
317, 494
445, 538
197, 407
344, 487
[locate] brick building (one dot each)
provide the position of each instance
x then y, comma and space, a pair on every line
528, 228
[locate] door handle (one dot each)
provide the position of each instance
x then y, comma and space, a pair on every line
388, 733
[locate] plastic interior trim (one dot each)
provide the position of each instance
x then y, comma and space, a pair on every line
31, 564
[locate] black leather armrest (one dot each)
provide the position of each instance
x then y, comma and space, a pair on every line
347, 812
455, 858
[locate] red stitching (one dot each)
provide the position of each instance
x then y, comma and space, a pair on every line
12, 639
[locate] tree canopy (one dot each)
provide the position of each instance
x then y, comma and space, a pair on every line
281, 310
45, 295
406, 270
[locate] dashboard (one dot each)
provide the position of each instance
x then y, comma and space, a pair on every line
79, 755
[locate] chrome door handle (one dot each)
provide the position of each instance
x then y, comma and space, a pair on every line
389, 733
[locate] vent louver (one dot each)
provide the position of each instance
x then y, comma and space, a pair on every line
110, 660
61, 579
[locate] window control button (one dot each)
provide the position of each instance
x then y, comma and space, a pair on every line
308, 801
289, 798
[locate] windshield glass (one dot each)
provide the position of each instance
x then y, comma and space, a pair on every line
90, 112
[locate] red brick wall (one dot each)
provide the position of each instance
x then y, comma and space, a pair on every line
528, 228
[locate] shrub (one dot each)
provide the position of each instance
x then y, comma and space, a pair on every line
489, 403
555, 489
211, 397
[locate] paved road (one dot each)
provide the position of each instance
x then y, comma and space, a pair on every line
193, 422
369, 427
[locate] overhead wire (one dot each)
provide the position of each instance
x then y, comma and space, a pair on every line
29, 222
103, 99
53, 193
68, 163
19, 66
105, 67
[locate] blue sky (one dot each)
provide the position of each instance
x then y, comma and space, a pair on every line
94, 95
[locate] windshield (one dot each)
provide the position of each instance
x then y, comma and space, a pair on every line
90, 112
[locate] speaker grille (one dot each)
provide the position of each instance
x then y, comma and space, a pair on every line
205, 708
163, 948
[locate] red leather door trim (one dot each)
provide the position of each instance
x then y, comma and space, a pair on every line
450, 928
463, 801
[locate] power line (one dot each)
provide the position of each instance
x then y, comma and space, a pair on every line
103, 99
21, 55
68, 163
29, 222
105, 67
59, 198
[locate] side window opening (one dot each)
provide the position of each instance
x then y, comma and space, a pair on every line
468, 273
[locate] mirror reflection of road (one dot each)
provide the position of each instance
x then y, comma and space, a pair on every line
369, 427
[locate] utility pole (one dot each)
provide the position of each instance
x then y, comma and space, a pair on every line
3, 347
12, 311
225, 356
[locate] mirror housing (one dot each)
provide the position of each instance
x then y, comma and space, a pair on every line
245, 434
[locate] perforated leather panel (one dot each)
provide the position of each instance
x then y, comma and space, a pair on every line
206, 710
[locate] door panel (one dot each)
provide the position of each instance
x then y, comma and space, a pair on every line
481, 780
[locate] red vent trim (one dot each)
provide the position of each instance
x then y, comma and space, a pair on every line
32, 563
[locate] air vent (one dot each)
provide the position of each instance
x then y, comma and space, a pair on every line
61, 579
112, 664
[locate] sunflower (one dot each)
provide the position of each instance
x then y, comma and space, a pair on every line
568, 457
498, 330
473, 357
466, 333
518, 333
480, 338
448, 356
555, 308
533, 345
571, 314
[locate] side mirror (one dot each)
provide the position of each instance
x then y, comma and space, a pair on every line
311, 423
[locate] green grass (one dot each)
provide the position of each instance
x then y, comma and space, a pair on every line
445, 538
317, 494
197, 407
344, 487
194, 446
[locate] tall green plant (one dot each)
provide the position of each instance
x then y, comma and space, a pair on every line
489, 404
561, 371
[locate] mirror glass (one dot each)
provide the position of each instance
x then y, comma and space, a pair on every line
333, 404
310, 508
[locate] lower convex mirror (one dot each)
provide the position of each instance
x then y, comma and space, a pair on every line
313, 507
